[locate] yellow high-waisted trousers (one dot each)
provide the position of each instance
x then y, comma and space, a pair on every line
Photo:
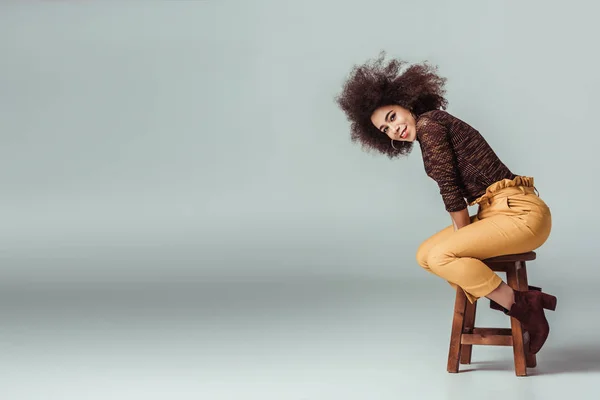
511, 219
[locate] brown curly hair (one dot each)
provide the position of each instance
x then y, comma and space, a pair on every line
375, 84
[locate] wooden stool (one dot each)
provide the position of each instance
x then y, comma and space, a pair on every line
464, 333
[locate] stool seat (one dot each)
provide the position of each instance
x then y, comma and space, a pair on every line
465, 335
529, 256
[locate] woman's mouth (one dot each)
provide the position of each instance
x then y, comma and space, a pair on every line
404, 132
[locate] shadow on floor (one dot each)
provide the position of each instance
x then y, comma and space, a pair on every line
570, 359
574, 358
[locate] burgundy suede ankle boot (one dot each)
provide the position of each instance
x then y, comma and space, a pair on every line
528, 308
496, 306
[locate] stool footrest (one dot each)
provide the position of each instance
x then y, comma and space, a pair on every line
492, 331
488, 337
493, 340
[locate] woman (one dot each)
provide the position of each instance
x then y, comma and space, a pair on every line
389, 111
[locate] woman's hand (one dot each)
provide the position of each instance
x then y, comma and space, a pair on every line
460, 218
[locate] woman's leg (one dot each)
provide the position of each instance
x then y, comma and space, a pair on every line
457, 259
503, 295
431, 242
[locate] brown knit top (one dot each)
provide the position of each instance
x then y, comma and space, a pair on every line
458, 158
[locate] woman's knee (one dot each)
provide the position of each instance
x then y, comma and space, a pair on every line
424, 250
438, 258
423, 254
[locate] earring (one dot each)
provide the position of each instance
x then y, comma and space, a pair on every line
393, 144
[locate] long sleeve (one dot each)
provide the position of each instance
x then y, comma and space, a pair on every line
440, 162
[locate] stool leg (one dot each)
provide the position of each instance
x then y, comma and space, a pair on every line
517, 332
469, 324
523, 285
457, 328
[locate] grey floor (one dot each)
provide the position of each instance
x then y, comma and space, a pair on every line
294, 338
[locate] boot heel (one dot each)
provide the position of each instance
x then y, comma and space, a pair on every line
549, 301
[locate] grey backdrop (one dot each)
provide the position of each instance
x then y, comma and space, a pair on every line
153, 149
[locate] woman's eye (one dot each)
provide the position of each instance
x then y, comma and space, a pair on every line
393, 117
385, 129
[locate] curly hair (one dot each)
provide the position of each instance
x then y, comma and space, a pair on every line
375, 84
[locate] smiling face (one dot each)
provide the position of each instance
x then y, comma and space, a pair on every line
396, 122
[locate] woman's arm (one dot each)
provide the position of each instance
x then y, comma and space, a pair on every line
441, 165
